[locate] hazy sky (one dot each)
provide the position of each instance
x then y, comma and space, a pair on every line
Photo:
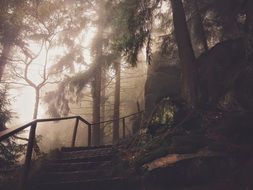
23, 98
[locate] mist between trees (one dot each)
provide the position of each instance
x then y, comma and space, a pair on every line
106, 59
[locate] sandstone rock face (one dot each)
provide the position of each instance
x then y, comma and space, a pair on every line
163, 80
219, 69
225, 77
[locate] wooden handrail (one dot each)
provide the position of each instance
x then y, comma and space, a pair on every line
12, 131
83, 120
32, 137
111, 120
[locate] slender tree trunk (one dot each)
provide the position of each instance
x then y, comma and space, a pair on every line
35, 115
186, 54
98, 72
116, 114
96, 107
4, 58
103, 99
36, 104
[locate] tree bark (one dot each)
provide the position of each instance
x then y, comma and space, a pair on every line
103, 100
186, 54
36, 104
4, 58
96, 107
116, 114
98, 71
35, 116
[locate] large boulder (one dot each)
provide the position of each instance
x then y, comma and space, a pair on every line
225, 78
225, 74
163, 80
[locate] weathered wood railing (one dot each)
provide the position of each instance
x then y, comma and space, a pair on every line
123, 119
32, 136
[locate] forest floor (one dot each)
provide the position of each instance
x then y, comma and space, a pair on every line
210, 150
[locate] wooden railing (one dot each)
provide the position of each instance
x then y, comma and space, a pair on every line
123, 119
32, 136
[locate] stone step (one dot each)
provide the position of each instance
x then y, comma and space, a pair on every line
58, 167
91, 148
115, 183
86, 153
75, 175
82, 168
78, 159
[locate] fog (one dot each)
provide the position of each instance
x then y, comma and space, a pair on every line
57, 52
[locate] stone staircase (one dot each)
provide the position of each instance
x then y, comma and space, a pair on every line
82, 168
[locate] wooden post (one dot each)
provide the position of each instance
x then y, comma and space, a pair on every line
139, 119
138, 106
28, 156
124, 127
89, 135
74, 133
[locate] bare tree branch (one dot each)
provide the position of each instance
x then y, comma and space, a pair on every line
17, 83
52, 82
15, 60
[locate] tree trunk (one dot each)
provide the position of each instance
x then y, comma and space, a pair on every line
36, 104
116, 114
198, 36
103, 100
35, 115
96, 107
186, 54
4, 58
98, 71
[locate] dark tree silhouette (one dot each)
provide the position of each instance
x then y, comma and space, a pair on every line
186, 54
